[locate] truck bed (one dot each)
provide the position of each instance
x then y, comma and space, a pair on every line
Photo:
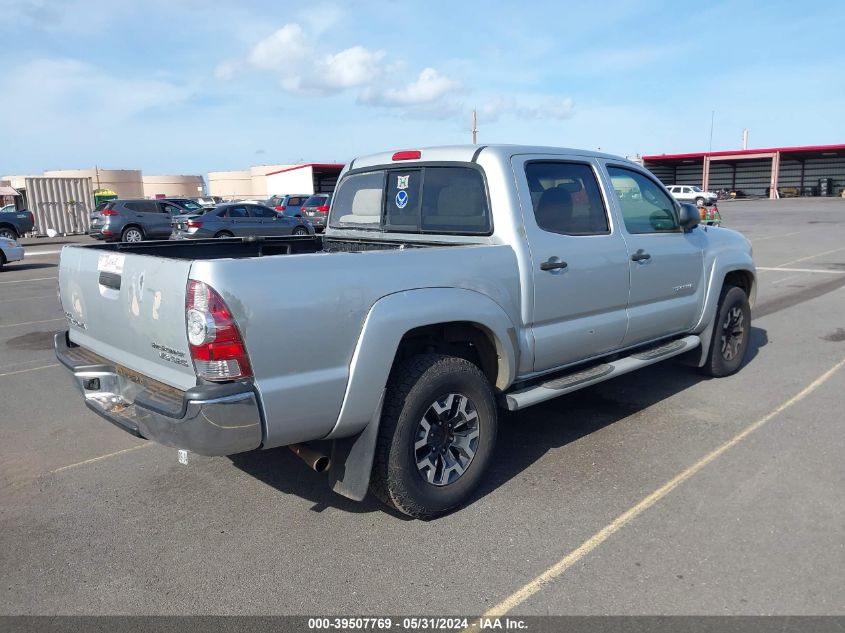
239, 248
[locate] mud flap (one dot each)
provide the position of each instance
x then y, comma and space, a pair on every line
352, 459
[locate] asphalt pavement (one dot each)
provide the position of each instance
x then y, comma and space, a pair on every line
659, 492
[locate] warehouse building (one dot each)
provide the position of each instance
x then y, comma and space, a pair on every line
263, 181
814, 170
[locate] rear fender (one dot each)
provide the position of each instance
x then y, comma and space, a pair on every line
355, 434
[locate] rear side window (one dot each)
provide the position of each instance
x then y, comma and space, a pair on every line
140, 206
420, 199
566, 198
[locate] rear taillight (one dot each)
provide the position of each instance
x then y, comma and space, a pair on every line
109, 212
194, 224
281, 207
217, 348
323, 209
407, 155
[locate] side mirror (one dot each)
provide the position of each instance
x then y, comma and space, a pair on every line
688, 216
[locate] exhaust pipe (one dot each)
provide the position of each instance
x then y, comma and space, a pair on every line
316, 461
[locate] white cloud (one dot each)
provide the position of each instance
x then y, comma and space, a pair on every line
527, 108
430, 86
296, 56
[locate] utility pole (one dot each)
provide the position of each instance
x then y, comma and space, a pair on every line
712, 117
474, 128
745, 139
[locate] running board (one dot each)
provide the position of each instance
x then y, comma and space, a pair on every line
568, 383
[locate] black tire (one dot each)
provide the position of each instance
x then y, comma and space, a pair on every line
2, 260
414, 387
8, 232
129, 234
699, 202
733, 319
300, 230
223, 234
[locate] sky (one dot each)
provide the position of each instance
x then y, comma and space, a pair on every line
191, 86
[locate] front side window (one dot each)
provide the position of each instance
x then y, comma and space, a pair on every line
236, 212
645, 206
262, 212
566, 198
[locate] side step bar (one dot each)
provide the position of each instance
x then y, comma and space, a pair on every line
568, 383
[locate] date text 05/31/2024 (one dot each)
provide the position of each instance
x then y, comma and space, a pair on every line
416, 624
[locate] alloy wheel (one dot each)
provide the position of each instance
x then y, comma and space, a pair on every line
446, 439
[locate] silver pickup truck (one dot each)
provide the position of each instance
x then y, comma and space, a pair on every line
450, 282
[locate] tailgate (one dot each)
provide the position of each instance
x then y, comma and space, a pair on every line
129, 309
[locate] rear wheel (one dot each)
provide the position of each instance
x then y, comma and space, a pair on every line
131, 234
223, 234
732, 331
437, 435
8, 232
2, 260
300, 230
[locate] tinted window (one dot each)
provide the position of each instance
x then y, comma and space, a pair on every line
454, 201
172, 209
295, 202
402, 204
262, 212
235, 212
137, 207
645, 206
357, 202
315, 201
566, 198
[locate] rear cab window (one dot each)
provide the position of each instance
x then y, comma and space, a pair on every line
417, 199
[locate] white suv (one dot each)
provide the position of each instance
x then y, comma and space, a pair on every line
688, 193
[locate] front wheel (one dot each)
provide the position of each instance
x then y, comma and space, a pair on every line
699, 202
437, 435
732, 331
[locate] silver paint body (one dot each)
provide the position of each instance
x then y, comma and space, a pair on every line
322, 375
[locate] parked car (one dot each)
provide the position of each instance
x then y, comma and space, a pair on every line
290, 205
316, 209
238, 220
14, 222
134, 220
689, 193
10, 251
450, 282
187, 204
208, 201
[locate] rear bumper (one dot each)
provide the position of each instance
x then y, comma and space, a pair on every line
208, 419
14, 253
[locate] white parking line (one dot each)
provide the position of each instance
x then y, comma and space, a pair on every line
32, 322
23, 371
39, 253
803, 259
801, 270
771, 237
23, 281
52, 296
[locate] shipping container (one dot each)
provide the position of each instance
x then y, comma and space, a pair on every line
61, 204
303, 179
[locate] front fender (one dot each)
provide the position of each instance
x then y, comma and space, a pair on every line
723, 263
391, 318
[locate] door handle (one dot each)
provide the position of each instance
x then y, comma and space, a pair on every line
552, 264
639, 256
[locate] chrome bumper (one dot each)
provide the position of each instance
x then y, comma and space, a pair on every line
208, 419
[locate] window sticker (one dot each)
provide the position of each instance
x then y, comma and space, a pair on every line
402, 182
402, 198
